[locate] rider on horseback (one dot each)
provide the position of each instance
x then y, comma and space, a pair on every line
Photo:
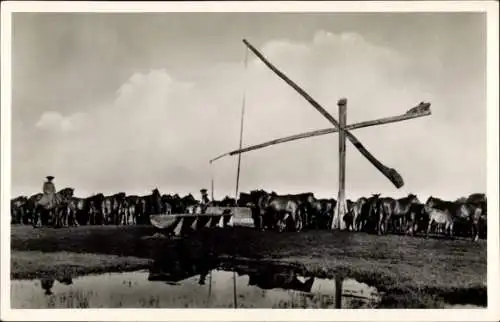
48, 199
205, 201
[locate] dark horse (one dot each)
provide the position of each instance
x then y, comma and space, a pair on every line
112, 208
18, 210
149, 205
285, 211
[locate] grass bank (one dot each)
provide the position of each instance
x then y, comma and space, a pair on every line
36, 264
412, 271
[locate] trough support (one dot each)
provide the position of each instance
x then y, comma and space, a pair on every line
338, 222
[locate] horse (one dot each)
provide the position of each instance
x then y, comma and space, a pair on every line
94, 209
112, 208
465, 214
356, 213
130, 207
284, 210
367, 219
154, 202
34, 213
61, 210
321, 213
80, 210
395, 210
416, 218
167, 202
186, 202
349, 215
107, 209
439, 217
472, 213
18, 211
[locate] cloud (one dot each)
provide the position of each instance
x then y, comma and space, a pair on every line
160, 131
54, 121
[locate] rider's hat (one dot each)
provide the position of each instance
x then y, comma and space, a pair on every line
50, 177
203, 190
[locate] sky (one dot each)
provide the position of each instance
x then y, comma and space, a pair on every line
132, 102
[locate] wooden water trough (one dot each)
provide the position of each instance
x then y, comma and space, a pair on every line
222, 217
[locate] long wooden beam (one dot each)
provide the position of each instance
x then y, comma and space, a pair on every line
390, 173
386, 120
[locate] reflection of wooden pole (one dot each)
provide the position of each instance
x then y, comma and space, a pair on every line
338, 292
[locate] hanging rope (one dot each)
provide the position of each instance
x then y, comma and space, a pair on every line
241, 132
235, 299
212, 198
212, 181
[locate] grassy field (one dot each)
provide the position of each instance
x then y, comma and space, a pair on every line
412, 271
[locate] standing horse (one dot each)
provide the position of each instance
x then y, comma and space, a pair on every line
112, 208
440, 217
154, 202
368, 218
465, 214
356, 213
130, 205
470, 212
34, 213
63, 209
322, 213
396, 210
349, 215
17, 209
286, 211
80, 210
95, 210
416, 218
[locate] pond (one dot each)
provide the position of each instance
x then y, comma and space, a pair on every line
212, 289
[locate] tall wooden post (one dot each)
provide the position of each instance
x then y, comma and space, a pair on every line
337, 222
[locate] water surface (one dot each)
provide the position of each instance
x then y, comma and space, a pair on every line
215, 290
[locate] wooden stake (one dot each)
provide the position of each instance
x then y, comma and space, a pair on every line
342, 103
341, 204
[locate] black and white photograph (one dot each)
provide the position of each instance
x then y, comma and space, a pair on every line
339, 156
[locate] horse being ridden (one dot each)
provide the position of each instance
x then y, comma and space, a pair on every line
58, 205
45, 203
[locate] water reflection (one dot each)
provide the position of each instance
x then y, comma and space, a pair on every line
266, 286
193, 277
136, 290
48, 282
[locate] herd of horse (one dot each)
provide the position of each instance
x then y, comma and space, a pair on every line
464, 217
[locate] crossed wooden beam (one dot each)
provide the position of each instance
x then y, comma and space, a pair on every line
423, 109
